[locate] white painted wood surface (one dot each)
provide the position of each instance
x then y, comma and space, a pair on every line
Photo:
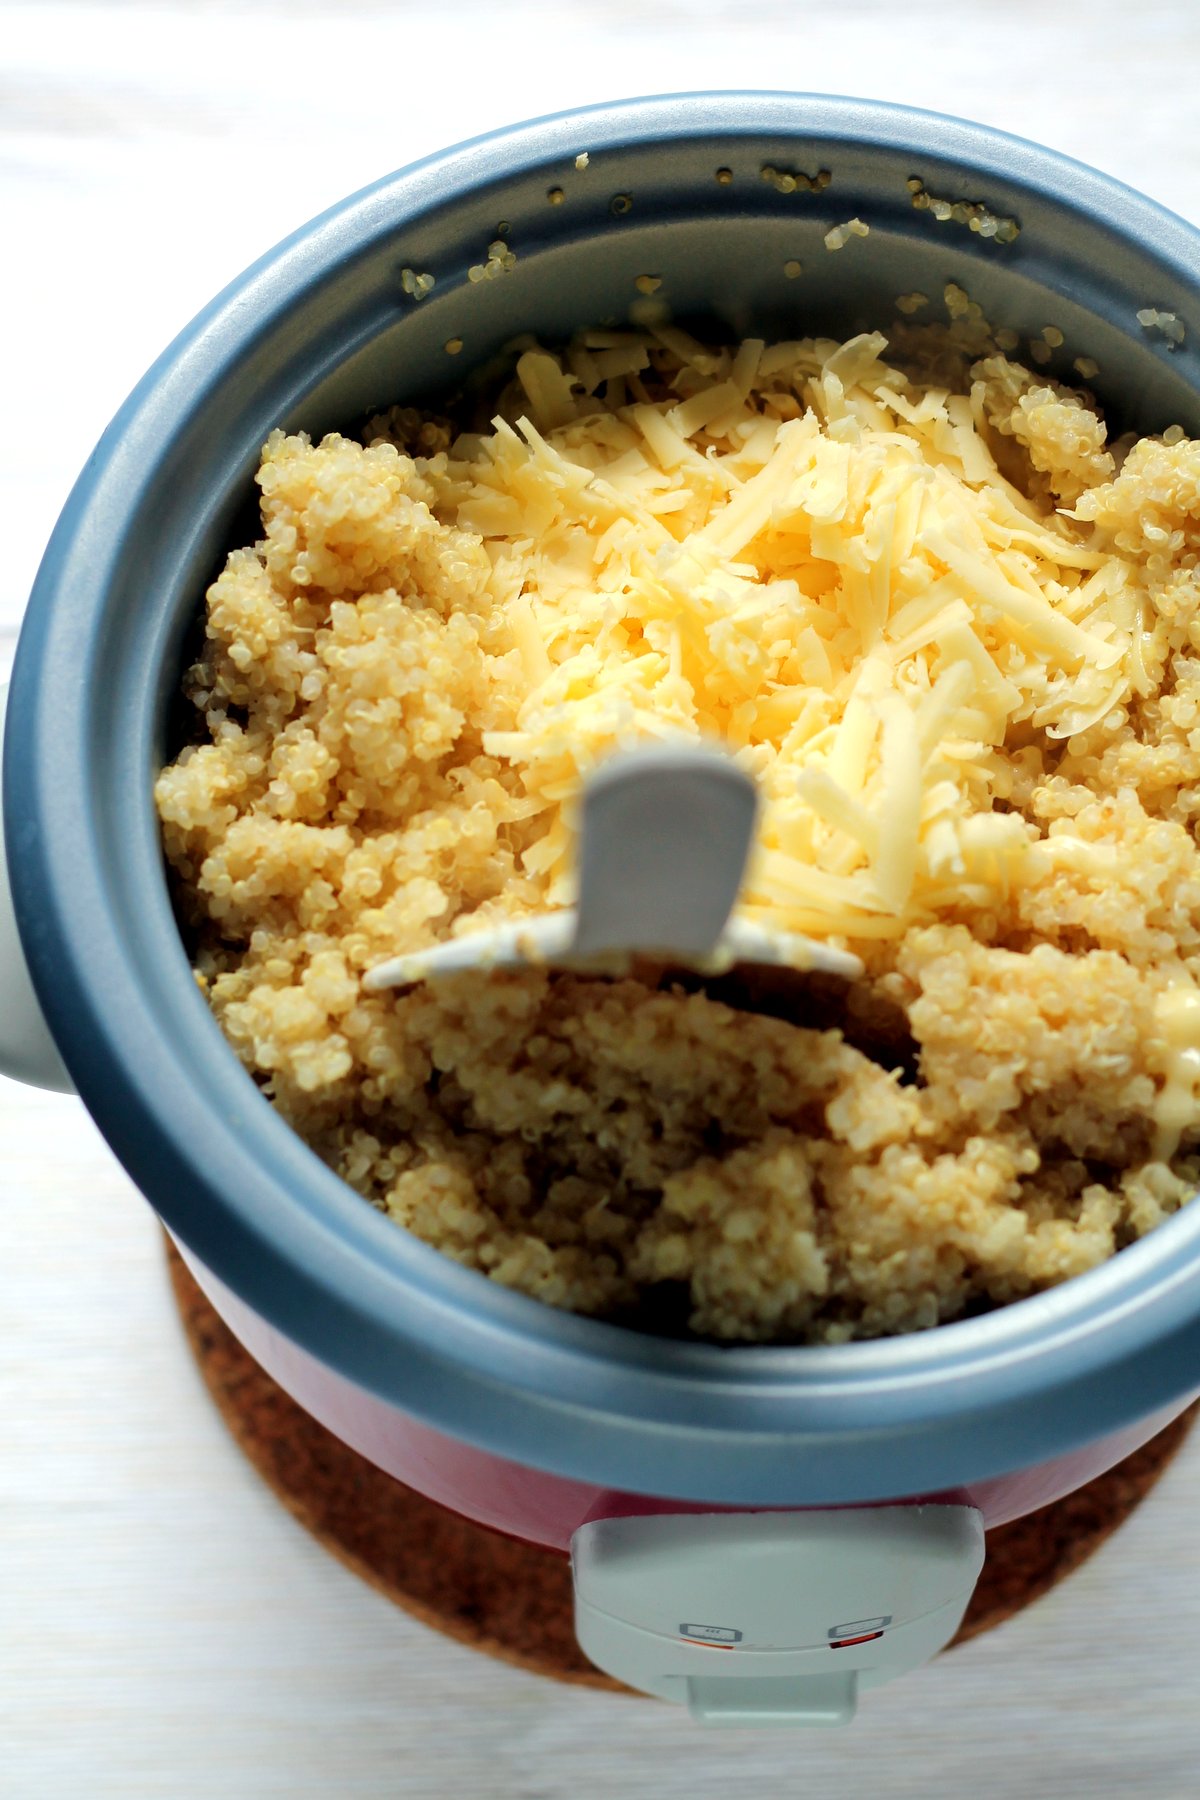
166, 1631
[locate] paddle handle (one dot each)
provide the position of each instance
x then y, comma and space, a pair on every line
665, 835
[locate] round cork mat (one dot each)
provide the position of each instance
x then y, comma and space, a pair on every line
513, 1600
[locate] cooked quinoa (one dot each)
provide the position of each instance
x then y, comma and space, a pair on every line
992, 800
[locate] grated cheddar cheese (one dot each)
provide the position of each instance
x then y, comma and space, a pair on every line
856, 599
952, 632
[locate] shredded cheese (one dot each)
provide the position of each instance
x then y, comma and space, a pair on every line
793, 550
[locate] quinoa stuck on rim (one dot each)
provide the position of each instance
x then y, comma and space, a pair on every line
952, 631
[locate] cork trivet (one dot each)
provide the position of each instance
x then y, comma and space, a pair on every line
513, 1600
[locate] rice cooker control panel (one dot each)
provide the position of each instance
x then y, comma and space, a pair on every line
773, 1617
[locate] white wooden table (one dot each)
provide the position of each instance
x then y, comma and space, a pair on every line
166, 1631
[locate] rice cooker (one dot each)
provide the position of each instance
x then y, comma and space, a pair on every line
757, 1533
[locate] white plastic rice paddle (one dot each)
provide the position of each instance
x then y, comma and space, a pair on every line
664, 839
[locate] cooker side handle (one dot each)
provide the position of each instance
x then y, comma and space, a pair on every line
27, 1050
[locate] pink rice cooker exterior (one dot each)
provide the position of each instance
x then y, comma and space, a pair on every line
547, 1509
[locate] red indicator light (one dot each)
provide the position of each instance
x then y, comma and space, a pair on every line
845, 1643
